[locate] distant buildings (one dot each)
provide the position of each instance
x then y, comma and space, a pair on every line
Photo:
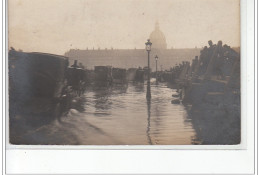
127, 58
158, 39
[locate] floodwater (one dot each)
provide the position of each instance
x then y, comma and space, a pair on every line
119, 115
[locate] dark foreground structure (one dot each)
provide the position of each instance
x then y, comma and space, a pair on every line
41, 88
210, 90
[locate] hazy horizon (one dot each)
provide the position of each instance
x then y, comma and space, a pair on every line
56, 26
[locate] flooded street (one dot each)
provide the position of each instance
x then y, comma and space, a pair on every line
120, 115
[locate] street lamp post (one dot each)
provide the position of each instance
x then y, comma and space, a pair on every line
148, 49
156, 59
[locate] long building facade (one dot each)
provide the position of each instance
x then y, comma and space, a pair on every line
131, 58
134, 58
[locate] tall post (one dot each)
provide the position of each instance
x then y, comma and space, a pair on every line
148, 49
148, 93
156, 73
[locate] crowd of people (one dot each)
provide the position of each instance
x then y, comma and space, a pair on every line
215, 60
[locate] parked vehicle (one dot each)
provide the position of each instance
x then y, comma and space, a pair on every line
119, 75
139, 77
37, 85
103, 75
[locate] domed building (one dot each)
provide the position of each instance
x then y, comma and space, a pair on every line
158, 38
134, 58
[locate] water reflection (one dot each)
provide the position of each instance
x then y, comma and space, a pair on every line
102, 101
148, 121
120, 115
139, 87
102, 97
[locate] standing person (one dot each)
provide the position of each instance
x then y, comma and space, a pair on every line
204, 60
75, 65
220, 61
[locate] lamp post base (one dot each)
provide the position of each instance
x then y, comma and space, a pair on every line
148, 96
148, 93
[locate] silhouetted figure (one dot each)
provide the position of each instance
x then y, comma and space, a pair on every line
211, 48
81, 66
76, 78
219, 63
195, 66
204, 60
75, 65
210, 43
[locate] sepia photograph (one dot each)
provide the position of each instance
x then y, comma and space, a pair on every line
124, 72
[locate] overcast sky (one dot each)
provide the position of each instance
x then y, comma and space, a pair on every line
55, 26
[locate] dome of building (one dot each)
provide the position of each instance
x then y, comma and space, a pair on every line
158, 38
